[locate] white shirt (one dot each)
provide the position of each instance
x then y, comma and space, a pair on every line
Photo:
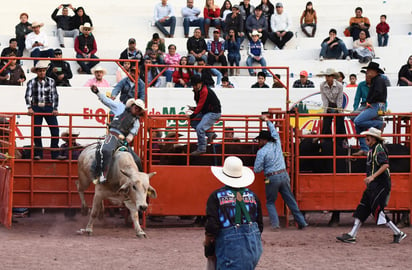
280, 22
161, 11
191, 13
32, 37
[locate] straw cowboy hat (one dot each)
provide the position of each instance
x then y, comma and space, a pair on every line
172, 134
138, 102
327, 72
87, 26
35, 24
233, 173
42, 64
374, 132
255, 33
374, 66
66, 133
100, 68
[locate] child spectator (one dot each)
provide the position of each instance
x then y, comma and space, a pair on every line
226, 83
182, 75
156, 39
233, 51
352, 79
159, 57
276, 82
308, 19
261, 78
382, 29
256, 53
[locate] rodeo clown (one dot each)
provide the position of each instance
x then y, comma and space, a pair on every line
378, 187
122, 128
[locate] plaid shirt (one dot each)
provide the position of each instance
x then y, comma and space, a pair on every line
42, 92
308, 84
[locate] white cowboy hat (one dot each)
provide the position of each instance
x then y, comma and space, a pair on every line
35, 24
100, 68
86, 25
374, 132
138, 102
233, 173
42, 64
255, 33
328, 71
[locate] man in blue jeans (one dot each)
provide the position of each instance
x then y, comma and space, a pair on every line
164, 15
191, 17
269, 159
333, 47
205, 114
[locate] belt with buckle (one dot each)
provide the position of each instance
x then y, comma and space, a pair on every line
275, 173
41, 104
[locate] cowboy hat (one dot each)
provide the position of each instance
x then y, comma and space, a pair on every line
374, 66
172, 134
42, 64
374, 132
265, 135
35, 24
86, 25
255, 33
100, 68
233, 173
138, 102
66, 133
328, 72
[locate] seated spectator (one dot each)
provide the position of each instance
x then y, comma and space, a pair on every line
363, 48
211, 13
191, 17
126, 87
80, 18
158, 57
37, 44
59, 70
256, 53
206, 74
131, 52
340, 77
276, 82
171, 58
405, 74
156, 39
196, 47
352, 79
11, 49
98, 79
308, 19
181, 75
225, 10
257, 22
226, 83
268, 9
333, 47
120, 73
216, 51
234, 22
246, 9
85, 47
358, 23
152, 72
68, 148
13, 74
233, 51
22, 30
164, 15
280, 24
303, 82
261, 78
65, 26
382, 30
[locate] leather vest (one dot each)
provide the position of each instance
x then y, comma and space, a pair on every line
124, 122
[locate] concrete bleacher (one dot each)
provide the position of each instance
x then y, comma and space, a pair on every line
116, 21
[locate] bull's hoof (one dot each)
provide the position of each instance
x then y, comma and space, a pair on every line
141, 234
89, 231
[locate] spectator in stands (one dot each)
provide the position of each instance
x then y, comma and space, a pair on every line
268, 9
363, 48
226, 83
276, 82
66, 148
256, 53
11, 49
205, 74
340, 77
22, 30
37, 44
156, 39
211, 13
191, 17
257, 22
405, 74
246, 9
126, 87
216, 51
225, 10
382, 30
158, 57
132, 52
303, 82
182, 75
352, 80
120, 73
261, 79
233, 51
164, 15
234, 21
171, 58
308, 19
280, 24
85, 47
205, 114
358, 23
42, 97
65, 26
196, 47
376, 104
59, 70
80, 18
152, 72
333, 47
98, 79
13, 74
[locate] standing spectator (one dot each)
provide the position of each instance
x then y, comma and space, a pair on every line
308, 19
126, 87
405, 74
66, 148
333, 47
171, 58
378, 186
352, 80
132, 52
37, 43
98, 79
42, 97
233, 219
256, 53
205, 114
22, 30
267, 10
80, 18
196, 47
270, 160
246, 9
225, 10
191, 17
280, 24
182, 75
363, 48
156, 39
13, 74
382, 29
64, 22
85, 47
164, 15
257, 23
303, 82
211, 13
376, 104
358, 23
59, 70
216, 51
233, 51
234, 21
11, 49
261, 79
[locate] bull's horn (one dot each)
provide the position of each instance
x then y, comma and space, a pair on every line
125, 172
151, 174
124, 188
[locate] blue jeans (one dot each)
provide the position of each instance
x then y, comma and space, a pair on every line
199, 22
383, 40
238, 247
281, 183
87, 66
37, 53
218, 75
191, 59
204, 124
168, 74
54, 130
366, 119
335, 52
262, 62
234, 59
169, 22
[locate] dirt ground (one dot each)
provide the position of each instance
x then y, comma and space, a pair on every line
50, 241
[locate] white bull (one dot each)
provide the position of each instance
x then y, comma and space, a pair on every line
125, 184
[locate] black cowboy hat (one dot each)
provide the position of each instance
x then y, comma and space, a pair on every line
265, 135
374, 66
